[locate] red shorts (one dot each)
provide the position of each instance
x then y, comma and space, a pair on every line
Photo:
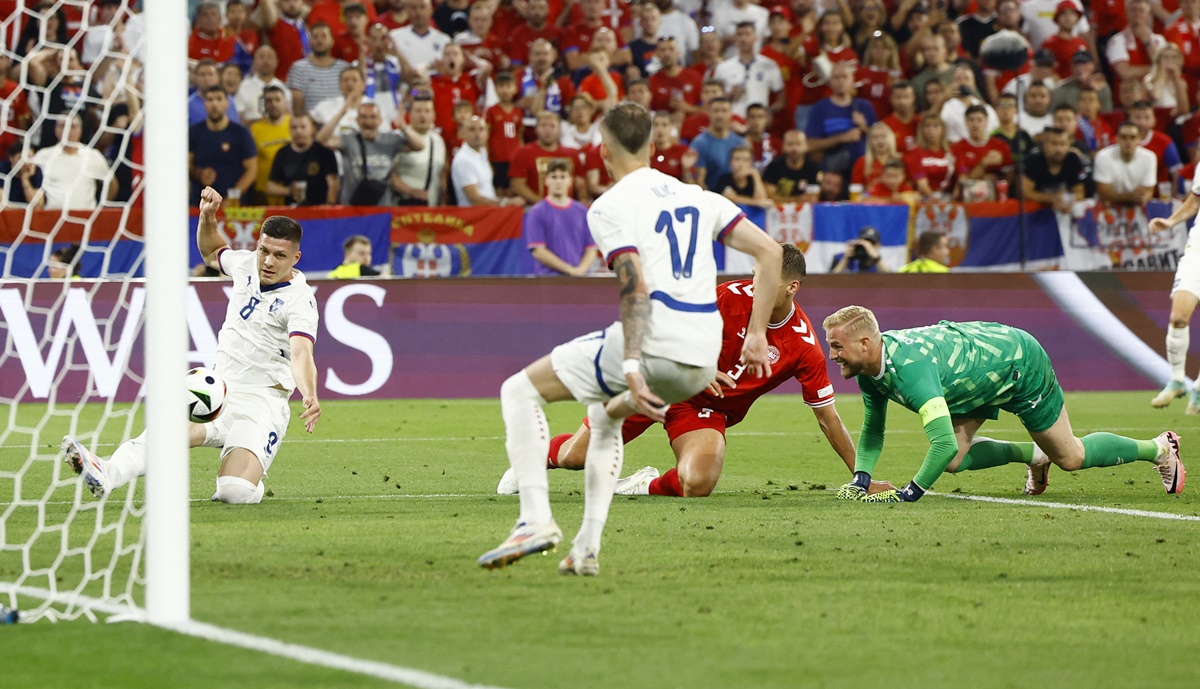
682, 417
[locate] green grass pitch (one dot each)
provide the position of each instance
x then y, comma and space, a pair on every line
367, 548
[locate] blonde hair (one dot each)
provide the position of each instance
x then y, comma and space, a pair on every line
890, 154
893, 59
1158, 86
922, 142
855, 321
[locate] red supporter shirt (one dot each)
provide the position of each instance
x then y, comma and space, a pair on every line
285, 38
529, 163
523, 36
702, 69
812, 48
330, 12
218, 48
670, 160
764, 149
589, 159
579, 37
792, 88
18, 108
506, 133
592, 86
864, 178
1104, 133
1108, 16
879, 190
873, 85
616, 14
345, 47
935, 166
1064, 49
906, 134
1187, 37
447, 92
390, 22
687, 83
967, 155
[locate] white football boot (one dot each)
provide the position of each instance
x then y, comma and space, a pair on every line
525, 539
87, 465
1170, 466
583, 562
1173, 391
508, 483
637, 483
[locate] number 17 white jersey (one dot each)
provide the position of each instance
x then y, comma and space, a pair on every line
671, 226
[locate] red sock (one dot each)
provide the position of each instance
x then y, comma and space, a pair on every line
556, 444
667, 484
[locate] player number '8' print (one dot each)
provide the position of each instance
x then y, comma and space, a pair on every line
248, 309
679, 266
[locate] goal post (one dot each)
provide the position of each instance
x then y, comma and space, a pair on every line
168, 584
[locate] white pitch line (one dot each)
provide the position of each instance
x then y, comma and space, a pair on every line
1069, 506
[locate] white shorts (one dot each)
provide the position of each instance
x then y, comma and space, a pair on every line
255, 419
590, 367
1187, 275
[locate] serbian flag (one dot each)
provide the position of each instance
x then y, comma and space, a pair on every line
459, 242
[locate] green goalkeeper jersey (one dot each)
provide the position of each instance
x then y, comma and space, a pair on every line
956, 370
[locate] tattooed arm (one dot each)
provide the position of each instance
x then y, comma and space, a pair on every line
635, 319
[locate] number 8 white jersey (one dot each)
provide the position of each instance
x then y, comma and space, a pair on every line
254, 346
671, 226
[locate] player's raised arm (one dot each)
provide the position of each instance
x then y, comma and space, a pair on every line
635, 320
304, 371
1186, 210
768, 263
209, 239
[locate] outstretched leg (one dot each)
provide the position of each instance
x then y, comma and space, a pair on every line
127, 462
1183, 304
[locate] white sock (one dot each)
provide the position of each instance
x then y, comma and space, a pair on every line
1177, 349
128, 462
605, 455
527, 440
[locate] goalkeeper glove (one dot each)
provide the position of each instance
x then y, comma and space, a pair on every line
857, 488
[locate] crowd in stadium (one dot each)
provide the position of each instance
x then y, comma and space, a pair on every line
411, 102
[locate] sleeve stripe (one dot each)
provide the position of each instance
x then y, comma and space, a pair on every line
617, 252
220, 253
824, 403
298, 333
729, 227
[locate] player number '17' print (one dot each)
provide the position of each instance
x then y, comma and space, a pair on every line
680, 267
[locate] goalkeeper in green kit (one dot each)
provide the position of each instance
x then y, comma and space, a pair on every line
957, 376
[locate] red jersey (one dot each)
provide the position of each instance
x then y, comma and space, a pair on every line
615, 15
330, 12
447, 92
874, 85
346, 47
1064, 49
937, 167
579, 37
862, 177
591, 85
764, 149
524, 35
1187, 37
1108, 17
285, 38
218, 47
792, 87
529, 163
506, 133
389, 20
505, 20
812, 47
906, 134
589, 159
880, 192
669, 161
17, 112
967, 155
664, 88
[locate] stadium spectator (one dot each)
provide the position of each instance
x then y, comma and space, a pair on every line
1008, 18
392, 14
870, 21
602, 77
1185, 33
1053, 174
61, 76
963, 96
933, 254
881, 148
938, 67
208, 41
248, 102
349, 42
1084, 76
527, 171
506, 129
419, 177
542, 89
536, 25
581, 129
47, 19
1066, 118
792, 177
831, 187
577, 38
672, 87
892, 186
827, 45
880, 68
975, 27
367, 155
763, 144
1126, 173
304, 172
556, 230
1167, 88
838, 125
931, 165
1043, 68
16, 117
1045, 19
336, 13
708, 55
343, 110
679, 24
935, 95
698, 121
638, 91
980, 159
246, 37
22, 180
63, 263
356, 260
1035, 113
480, 42
451, 84
714, 146
98, 37
470, 172
1131, 51
283, 26
1066, 42
1092, 130
904, 120
383, 68
1020, 143
207, 75
950, 34
728, 16
743, 184
669, 154
230, 76
750, 77
420, 42
1159, 143
642, 49
270, 133
861, 254
221, 152
315, 79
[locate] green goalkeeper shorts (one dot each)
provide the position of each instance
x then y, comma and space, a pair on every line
1036, 398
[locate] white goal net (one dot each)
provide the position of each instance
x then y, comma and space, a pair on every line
71, 305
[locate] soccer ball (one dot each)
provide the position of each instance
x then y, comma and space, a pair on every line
206, 395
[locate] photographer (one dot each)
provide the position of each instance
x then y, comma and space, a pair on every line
862, 255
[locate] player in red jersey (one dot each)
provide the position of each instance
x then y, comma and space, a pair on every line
696, 427
506, 130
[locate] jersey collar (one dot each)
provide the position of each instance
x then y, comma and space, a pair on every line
277, 285
780, 324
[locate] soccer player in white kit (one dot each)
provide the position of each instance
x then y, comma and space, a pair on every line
1185, 294
264, 352
657, 233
